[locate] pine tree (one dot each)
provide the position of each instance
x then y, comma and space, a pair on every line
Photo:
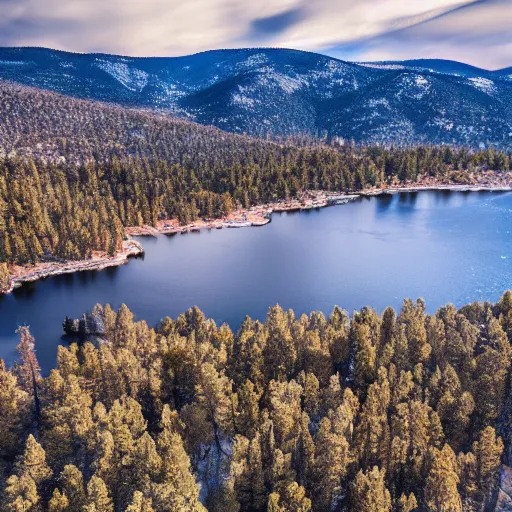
58, 502
98, 498
311, 394
246, 470
407, 503
34, 463
466, 469
29, 485
20, 494
279, 353
255, 467
27, 371
289, 498
305, 454
369, 492
372, 433
177, 489
332, 457
72, 485
5, 278
332, 395
14, 413
487, 450
140, 503
214, 394
146, 464
364, 371
68, 418
413, 317
441, 486
285, 411
247, 409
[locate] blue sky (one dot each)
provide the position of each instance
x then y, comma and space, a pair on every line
475, 31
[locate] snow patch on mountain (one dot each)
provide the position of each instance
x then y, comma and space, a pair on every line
413, 86
242, 101
287, 83
421, 81
132, 78
484, 84
443, 123
379, 102
252, 61
168, 95
332, 77
377, 65
334, 66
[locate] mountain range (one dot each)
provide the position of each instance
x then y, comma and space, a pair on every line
277, 92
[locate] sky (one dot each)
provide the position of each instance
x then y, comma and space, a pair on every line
477, 32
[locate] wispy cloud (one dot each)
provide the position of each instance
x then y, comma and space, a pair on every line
367, 29
478, 33
275, 24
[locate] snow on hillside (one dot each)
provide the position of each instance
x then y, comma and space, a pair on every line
253, 61
378, 65
373, 103
484, 84
288, 84
287, 92
132, 78
243, 98
413, 86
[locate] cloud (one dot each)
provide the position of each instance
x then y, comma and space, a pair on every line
276, 23
345, 21
362, 30
478, 33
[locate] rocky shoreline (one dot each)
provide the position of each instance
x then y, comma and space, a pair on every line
255, 216
131, 248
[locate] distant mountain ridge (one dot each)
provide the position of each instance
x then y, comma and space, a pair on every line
263, 91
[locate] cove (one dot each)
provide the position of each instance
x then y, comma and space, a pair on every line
439, 245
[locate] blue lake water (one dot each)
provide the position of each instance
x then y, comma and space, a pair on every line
441, 246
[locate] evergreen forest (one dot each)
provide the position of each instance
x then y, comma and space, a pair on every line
395, 412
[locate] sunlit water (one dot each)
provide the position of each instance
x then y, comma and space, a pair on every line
442, 246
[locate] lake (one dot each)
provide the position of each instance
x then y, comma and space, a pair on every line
439, 245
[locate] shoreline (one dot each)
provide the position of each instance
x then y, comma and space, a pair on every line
421, 188
255, 216
261, 215
131, 249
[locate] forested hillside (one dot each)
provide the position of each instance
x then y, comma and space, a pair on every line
35, 123
374, 413
74, 173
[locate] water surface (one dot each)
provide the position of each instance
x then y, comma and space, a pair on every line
442, 246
